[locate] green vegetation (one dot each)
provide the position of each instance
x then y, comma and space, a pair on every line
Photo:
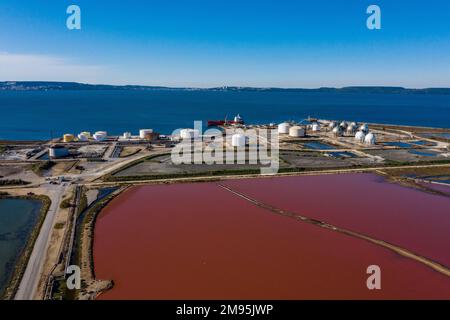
66, 203
61, 292
88, 216
13, 182
59, 225
40, 167
129, 151
392, 163
95, 160
83, 202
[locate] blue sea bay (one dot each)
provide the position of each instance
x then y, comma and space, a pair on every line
43, 114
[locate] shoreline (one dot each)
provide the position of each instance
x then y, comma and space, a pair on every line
23, 258
374, 124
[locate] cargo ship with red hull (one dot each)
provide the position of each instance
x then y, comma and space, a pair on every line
215, 123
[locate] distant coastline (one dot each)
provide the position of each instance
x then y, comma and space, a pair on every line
55, 85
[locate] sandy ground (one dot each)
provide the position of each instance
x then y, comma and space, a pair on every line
33, 273
91, 196
54, 246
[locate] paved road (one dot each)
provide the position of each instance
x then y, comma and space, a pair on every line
33, 271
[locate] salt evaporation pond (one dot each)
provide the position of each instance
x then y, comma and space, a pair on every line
412, 219
18, 217
199, 241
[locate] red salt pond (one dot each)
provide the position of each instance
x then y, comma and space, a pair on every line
365, 203
199, 241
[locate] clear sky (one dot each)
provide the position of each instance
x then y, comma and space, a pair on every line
213, 43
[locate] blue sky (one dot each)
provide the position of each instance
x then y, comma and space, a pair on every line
213, 43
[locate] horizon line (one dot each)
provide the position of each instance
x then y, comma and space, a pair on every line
222, 86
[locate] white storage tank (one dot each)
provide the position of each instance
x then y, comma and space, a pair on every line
332, 124
189, 133
83, 137
351, 129
145, 133
370, 138
238, 140
57, 151
126, 135
100, 135
337, 131
359, 136
283, 128
364, 128
343, 125
296, 131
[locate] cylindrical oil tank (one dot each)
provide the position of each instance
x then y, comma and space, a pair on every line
351, 129
68, 137
359, 136
189, 133
145, 133
283, 128
100, 135
337, 131
83, 137
57, 151
370, 138
126, 135
364, 128
238, 140
297, 131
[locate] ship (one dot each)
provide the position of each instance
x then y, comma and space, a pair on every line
215, 123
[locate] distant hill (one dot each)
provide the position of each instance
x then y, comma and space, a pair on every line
49, 85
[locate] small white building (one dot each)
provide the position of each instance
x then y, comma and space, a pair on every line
315, 127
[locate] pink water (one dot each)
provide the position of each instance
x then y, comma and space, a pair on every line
406, 217
198, 241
